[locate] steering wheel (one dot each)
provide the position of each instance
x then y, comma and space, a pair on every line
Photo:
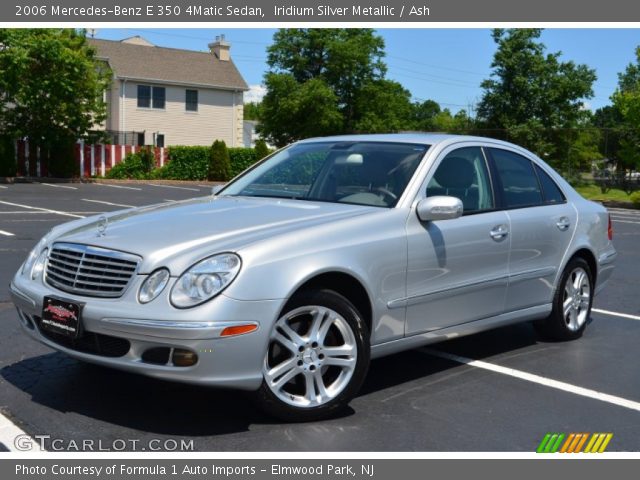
387, 193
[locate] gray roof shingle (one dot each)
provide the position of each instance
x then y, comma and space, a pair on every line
169, 65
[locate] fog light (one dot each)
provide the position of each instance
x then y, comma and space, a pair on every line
183, 358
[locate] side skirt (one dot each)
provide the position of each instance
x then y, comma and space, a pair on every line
449, 333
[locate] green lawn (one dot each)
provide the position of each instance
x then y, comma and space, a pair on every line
593, 192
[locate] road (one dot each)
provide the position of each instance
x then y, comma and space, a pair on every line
498, 391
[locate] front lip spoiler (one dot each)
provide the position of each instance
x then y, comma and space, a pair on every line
173, 329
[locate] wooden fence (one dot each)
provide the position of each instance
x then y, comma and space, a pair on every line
92, 160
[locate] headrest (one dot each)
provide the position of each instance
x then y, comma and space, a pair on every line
455, 172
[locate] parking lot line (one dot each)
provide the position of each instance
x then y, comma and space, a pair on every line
2, 186
624, 221
7, 234
173, 186
116, 186
616, 314
530, 377
10, 434
57, 212
59, 186
108, 203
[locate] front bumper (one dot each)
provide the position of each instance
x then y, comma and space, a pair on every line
128, 330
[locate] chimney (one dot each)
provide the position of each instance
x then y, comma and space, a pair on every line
220, 48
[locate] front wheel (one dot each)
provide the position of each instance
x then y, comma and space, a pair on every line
571, 303
317, 358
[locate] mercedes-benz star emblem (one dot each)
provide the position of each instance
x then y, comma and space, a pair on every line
102, 225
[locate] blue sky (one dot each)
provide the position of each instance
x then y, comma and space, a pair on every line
446, 65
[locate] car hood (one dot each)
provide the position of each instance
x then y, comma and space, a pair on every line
195, 228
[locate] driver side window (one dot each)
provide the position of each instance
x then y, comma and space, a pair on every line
463, 174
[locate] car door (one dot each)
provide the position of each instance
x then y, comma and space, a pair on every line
542, 225
457, 269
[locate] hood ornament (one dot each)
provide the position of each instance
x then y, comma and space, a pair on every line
102, 225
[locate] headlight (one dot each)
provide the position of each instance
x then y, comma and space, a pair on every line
38, 266
205, 280
153, 285
27, 266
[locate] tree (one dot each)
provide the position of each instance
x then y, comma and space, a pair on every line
292, 110
532, 94
251, 111
424, 115
51, 88
626, 104
219, 162
329, 81
382, 106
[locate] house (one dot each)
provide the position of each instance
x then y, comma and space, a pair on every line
166, 96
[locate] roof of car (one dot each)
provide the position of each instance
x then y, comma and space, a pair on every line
410, 137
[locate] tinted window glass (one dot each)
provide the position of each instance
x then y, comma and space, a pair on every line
463, 174
144, 96
519, 182
363, 173
550, 191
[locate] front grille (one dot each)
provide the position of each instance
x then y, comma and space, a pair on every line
90, 271
93, 343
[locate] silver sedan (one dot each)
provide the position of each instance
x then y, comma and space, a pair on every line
329, 253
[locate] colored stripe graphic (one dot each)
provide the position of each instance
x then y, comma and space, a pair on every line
555, 442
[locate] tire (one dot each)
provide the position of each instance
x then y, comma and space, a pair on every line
571, 303
302, 381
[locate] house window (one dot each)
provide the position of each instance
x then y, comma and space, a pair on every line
151, 97
158, 97
144, 96
140, 138
160, 140
191, 101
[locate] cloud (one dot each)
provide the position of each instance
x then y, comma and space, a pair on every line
255, 94
586, 106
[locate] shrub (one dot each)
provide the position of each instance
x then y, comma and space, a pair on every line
219, 162
635, 199
131, 167
160, 173
241, 159
147, 159
8, 166
188, 163
261, 149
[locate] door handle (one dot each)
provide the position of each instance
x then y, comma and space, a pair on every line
563, 223
499, 232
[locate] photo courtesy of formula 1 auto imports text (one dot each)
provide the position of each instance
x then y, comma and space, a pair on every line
324, 239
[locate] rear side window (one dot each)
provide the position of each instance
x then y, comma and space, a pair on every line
520, 187
550, 191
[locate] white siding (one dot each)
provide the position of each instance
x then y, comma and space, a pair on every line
215, 118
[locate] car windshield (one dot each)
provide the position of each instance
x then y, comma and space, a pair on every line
362, 173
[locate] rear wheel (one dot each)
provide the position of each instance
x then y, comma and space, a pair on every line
571, 303
317, 358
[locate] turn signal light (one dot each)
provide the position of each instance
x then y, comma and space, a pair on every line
610, 229
239, 330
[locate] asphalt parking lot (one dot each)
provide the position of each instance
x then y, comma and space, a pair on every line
497, 391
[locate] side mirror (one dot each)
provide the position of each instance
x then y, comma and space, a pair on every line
439, 208
216, 188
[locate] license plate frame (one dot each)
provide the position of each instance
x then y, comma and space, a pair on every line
62, 316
